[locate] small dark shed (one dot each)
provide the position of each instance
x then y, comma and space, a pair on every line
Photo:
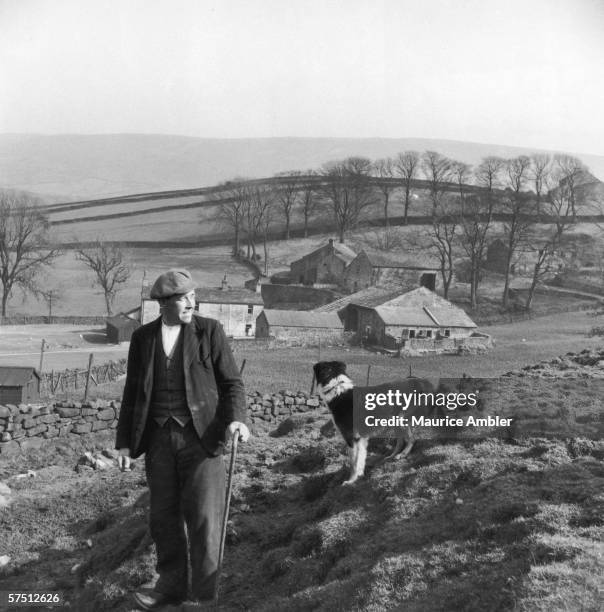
19, 385
120, 327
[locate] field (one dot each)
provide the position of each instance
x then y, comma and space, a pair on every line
473, 523
79, 297
275, 369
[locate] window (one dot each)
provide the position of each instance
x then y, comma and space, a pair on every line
428, 333
411, 333
250, 308
248, 329
447, 333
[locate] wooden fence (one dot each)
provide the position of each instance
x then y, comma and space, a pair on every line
65, 381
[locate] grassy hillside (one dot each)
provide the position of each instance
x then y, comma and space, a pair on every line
89, 166
80, 297
476, 523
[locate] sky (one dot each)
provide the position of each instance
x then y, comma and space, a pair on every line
515, 72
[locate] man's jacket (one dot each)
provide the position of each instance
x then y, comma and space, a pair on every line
215, 393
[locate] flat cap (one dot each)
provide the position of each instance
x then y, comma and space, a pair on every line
173, 282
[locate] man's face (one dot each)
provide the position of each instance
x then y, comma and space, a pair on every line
178, 308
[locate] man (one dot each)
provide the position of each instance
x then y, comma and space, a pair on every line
183, 396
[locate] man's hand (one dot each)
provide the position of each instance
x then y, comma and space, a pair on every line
123, 460
244, 432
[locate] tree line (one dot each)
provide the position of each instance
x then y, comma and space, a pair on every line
462, 201
536, 192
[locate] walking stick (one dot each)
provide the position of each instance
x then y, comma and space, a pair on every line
226, 515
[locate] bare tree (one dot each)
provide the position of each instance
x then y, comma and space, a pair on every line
24, 247
477, 216
407, 166
560, 207
232, 205
462, 173
347, 189
257, 217
539, 172
287, 195
571, 170
475, 221
518, 207
107, 262
443, 237
438, 171
309, 199
384, 170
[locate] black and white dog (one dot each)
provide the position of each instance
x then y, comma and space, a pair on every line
335, 387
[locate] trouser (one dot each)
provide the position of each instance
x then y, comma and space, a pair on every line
187, 486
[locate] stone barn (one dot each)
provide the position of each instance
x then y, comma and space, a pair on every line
325, 265
417, 318
370, 269
19, 385
299, 325
120, 327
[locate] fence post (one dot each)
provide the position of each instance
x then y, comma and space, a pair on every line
368, 371
88, 376
42, 355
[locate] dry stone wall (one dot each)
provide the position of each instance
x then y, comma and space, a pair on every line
25, 427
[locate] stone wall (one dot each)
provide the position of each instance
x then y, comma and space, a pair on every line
26, 427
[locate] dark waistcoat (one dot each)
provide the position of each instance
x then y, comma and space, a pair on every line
169, 397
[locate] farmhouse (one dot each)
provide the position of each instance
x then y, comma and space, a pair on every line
236, 308
373, 268
19, 385
324, 265
299, 325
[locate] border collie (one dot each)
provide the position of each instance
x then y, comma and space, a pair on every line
335, 387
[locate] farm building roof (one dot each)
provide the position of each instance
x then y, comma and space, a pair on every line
211, 295
370, 297
343, 251
122, 320
16, 376
405, 316
303, 318
216, 295
421, 261
449, 316
440, 311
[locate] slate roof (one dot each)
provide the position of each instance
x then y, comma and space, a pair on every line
370, 297
405, 316
449, 316
211, 295
442, 312
342, 250
16, 376
419, 304
215, 295
121, 321
303, 318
